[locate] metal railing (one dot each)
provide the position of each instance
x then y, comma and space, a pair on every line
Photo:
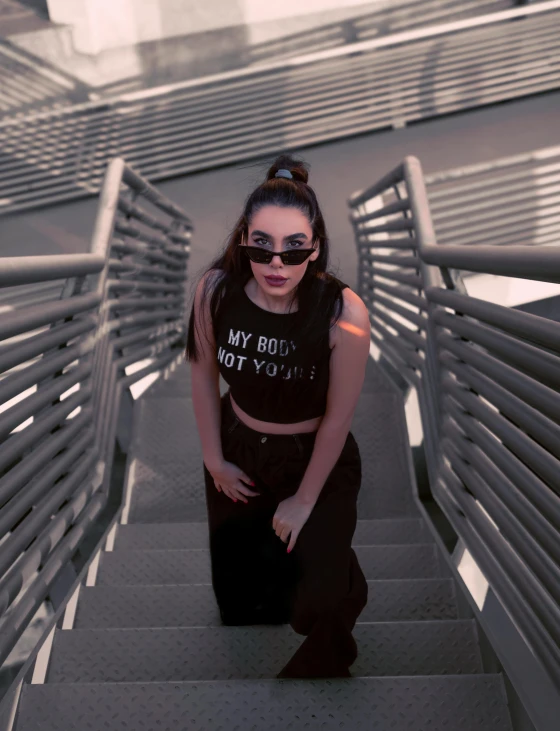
237, 115
394, 18
512, 200
66, 346
29, 83
488, 385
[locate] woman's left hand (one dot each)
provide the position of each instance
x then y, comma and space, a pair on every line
290, 517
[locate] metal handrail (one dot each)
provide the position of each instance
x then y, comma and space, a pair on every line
487, 379
63, 363
508, 201
200, 123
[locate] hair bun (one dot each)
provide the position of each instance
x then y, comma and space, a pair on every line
298, 168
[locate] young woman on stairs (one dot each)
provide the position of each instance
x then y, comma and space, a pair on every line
282, 469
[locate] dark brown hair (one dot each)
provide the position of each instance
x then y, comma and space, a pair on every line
318, 294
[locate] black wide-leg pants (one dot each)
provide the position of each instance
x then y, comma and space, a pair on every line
319, 588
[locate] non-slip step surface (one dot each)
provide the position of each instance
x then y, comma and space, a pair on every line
167, 476
227, 653
194, 605
192, 566
168, 536
440, 703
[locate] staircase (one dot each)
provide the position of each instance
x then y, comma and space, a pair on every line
147, 649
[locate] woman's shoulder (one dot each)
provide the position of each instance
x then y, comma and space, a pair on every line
354, 311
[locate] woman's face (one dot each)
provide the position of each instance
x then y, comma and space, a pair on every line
278, 229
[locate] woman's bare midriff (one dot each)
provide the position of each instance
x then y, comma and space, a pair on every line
267, 427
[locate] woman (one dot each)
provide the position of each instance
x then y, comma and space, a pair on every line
292, 342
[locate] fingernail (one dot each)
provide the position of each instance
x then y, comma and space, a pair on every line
289, 549
234, 500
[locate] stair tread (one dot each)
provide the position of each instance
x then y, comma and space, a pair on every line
195, 604
458, 702
192, 565
211, 653
136, 536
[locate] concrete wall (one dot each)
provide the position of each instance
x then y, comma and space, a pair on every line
102, 24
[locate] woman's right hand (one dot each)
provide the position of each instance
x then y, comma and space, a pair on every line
228, 479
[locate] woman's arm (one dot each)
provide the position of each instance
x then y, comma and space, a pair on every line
205, 382
346, 378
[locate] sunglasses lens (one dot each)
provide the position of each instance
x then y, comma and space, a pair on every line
261, 256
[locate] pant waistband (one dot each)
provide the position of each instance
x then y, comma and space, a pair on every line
238, 424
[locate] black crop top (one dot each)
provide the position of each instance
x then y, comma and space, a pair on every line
259, 364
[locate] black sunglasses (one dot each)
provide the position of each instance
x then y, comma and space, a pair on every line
264, 256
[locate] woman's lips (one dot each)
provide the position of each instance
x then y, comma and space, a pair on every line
276, 280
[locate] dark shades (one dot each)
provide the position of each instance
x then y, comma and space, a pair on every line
264, 256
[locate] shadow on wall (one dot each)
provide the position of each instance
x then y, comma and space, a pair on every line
38, 6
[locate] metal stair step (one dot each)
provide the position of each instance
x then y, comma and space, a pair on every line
437, 703
192, 566
227, 653
194, 605
168, 536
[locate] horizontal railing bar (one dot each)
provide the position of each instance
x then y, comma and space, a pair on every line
412, 262
507, 236
144, 302
23, 410
36, 316
130, 247
514, 500
387, 181
403, 348
413, 337
130, 229
41, 455
413, 317
29, 561
48, 365
45, 497
408, 243
14, 354
268, 82
532, 391
508, 195
168, 116
409, 279
531, 327
389, 209
534, 489
540, 364
503, 219
537, 458
516, 261
149, 350
8, 294
401, 224
143, 333
13, 624
404, 368
158, 364
140, 286
526, 549
140, 184
28, 269
540, 156
485, 554
117, 265
403, 294
307, 59
18, 443
536, 425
